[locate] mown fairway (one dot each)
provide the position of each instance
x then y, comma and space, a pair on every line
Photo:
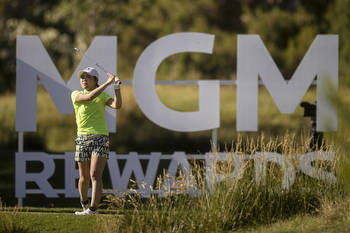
46, 222
333, 217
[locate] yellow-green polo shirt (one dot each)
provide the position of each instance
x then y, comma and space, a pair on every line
90, 115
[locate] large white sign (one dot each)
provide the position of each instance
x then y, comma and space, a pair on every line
146, 180
34, 66
144, 79
253, 61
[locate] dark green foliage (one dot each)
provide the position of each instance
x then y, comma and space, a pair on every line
287, 28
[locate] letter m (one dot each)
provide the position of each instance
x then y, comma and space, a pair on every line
34, 66
253, 61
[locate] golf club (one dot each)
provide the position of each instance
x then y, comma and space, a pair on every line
98, 65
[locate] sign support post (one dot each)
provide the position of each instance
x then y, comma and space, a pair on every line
20, 149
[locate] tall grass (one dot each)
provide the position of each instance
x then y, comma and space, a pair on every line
342, 137
233, 202
9, 222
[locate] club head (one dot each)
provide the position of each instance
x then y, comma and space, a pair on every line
77, 50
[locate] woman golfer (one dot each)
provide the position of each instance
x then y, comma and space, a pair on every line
92, 142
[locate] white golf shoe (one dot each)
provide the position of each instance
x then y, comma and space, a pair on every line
86, 212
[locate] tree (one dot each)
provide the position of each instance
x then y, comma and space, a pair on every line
338, 17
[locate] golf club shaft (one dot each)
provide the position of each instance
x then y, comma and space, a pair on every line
98, 65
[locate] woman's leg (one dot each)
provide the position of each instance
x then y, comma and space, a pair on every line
97, 165
84, 179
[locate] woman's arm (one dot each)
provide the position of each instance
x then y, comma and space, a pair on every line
94, 93
116, 102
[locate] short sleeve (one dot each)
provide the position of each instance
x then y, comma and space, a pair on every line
74, 95
105, 97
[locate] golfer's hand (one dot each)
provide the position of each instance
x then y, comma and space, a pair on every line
111, 78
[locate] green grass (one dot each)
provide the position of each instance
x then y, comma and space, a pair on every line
332, 217
50, 220
233, 203
241, 204
46, 222
53, 210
